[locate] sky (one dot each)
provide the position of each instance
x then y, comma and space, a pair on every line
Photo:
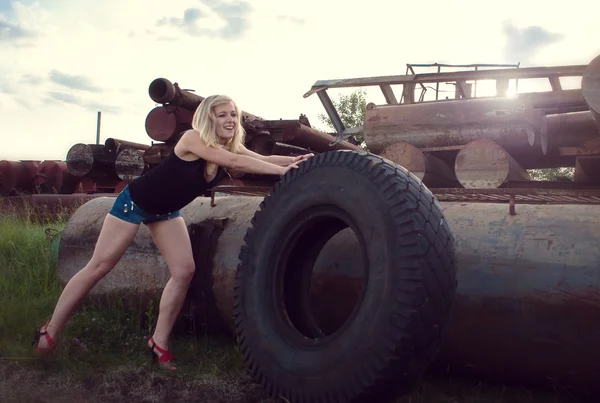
62, 61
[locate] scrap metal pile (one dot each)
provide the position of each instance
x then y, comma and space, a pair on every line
481, 147
468, 148
107, 168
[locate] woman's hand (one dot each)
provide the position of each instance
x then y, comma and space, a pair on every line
301, 158
287, 168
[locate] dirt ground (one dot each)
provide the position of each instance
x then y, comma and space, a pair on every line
19, 383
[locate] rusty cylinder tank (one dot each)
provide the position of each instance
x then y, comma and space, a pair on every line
528, 297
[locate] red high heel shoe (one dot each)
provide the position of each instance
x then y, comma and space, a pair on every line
165, 358
36, 339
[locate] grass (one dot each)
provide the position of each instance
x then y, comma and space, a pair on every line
101, 354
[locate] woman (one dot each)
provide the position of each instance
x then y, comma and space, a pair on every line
216, 140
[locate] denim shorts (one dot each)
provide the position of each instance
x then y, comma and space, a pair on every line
126, 210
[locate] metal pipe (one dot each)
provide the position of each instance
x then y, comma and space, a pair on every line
164, 91
157, 153
165, 123
54, 177
528, 284
293, 132
116, 145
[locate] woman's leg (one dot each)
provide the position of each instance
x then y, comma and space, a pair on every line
172, 239
115, 237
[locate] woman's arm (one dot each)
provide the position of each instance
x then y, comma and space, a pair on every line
239, 162
280, 160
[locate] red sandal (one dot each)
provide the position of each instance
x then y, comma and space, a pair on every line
36, 339
165, 358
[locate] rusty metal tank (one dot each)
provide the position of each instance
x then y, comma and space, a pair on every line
528, 298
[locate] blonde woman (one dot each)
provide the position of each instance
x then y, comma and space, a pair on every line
154, 199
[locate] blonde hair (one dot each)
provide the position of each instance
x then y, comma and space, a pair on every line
203, 122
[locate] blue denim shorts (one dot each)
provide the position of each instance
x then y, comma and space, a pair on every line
126, 210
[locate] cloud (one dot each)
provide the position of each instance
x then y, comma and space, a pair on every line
10, 31
522, 44
234, 14
76, 82
31, 79
8, 88
292, 19
74, 100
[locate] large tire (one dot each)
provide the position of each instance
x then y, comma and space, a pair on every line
394, 334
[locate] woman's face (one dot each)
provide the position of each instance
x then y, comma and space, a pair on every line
225, 121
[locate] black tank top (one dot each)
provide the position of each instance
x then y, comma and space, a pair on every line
171, 185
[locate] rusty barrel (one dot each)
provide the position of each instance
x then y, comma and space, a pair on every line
54, 177
167, 122
17, 176
528, 297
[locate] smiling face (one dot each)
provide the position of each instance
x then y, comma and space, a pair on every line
225, 121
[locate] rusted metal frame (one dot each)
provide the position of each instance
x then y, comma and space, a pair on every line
577, 151
410, 89
476, 66
518, 73
388, 94
523, 196
331, 111
511, 208
475, 197
521, 192
463, 89
555, 83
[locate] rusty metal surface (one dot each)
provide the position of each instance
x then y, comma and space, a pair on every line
483, 164
17, 176
166, 123
521, 195
587, 170
54, 177
571, 129
511, 122
95, 185
493, 74
590, 84
295, 133
116, 145
558, 101
528, 284
162, 91
158, 152
524, 192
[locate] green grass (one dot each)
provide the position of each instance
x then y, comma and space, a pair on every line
28, 283
114, 364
